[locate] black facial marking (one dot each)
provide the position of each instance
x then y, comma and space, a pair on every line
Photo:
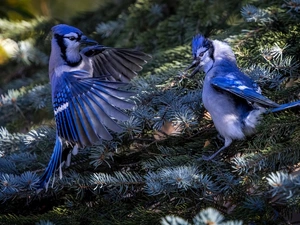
211, 51
79, 37
63, 49
61, 44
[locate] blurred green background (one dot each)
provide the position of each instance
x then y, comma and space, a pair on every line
169, 130
58, 9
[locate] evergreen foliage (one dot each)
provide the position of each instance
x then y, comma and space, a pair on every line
152, 172
206, 216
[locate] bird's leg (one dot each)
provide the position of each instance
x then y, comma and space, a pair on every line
228, 141
220, 137
74, 151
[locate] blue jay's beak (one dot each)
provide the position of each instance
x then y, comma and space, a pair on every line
85, 40
195, 63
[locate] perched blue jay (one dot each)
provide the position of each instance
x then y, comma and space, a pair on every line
85, 94
233, 99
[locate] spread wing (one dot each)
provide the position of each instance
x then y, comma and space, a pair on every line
116, 64
85, 108
243, 87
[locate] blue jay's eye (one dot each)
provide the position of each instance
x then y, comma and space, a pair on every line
72, 38
201, 54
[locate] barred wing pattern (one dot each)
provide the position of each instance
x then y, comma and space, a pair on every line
116, 64
242, 89
85, 107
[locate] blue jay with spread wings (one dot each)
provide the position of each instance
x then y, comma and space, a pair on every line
85, 85
233, 99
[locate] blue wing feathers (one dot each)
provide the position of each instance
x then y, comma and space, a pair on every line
242, 89
112, 100
130, 60
100, 115
117, 62
60, 127
78, 120
110, 88
72, 127
66, 128
85, 108
98, 125
93, 126
107, 83
109, 109
86, 131
100, 66
86, 121
93, 106
106, 66
120, 64
77, 124
135, 57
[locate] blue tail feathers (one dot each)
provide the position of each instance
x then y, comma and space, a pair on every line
53, 164
285, 106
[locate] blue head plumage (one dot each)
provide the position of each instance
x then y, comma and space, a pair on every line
62, 29
198, 42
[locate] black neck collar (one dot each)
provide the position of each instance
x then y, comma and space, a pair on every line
72, 64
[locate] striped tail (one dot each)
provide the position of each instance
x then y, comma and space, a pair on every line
55, 161
285, 106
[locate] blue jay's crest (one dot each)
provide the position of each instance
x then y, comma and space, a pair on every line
62, 29
198, 42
